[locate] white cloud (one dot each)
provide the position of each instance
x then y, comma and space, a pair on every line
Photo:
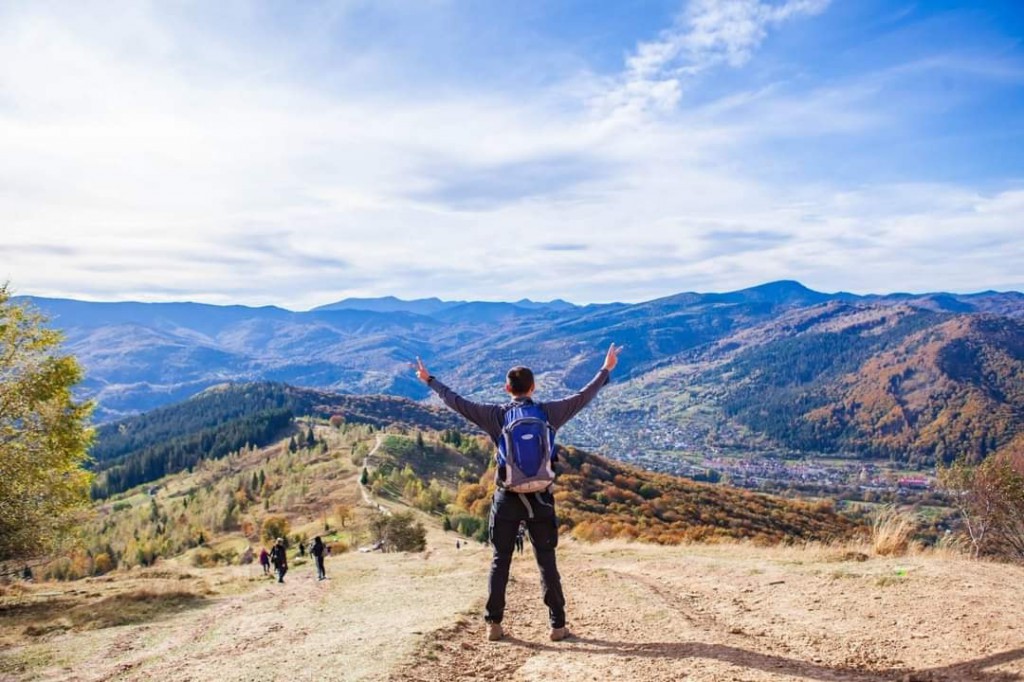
142, 157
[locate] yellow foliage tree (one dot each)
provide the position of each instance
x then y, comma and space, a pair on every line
44, 434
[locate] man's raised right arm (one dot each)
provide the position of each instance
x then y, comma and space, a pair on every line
487, 417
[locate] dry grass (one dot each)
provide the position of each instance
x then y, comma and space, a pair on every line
132, 607
45, 609
891, 532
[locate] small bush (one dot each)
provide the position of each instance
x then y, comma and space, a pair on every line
399, 532
208, 558
275, 527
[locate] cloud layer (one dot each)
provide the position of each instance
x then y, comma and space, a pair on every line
233, 155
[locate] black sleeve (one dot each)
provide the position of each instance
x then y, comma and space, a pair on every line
487, 417
561, 411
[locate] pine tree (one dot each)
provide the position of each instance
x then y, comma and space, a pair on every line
310, 437
365, 478
292, 447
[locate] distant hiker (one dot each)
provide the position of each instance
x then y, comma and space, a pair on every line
524, 433
302, 549
265, 560
279, 557
519, 536
318, 550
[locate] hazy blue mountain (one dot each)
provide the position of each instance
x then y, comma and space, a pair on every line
390, 304
433, 306
139, 356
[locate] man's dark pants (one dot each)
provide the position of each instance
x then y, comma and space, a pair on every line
507, 510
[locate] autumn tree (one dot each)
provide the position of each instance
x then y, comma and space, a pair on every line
275, 527
990, 499
44, 434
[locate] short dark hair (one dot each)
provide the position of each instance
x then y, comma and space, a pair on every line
520, 380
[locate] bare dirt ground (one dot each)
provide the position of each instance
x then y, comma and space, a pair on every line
638, 612
740, 613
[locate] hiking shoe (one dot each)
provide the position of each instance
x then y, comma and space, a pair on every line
558, 634
494, 632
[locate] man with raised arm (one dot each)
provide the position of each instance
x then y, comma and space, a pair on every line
523, 431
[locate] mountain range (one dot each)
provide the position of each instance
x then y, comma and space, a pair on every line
907, 376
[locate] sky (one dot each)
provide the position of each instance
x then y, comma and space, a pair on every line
294, 154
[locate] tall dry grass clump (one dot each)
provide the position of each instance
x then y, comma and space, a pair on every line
891, 532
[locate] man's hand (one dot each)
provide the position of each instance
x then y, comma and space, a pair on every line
612, 358
421, 370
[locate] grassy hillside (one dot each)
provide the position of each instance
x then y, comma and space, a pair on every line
601, 499
213, 513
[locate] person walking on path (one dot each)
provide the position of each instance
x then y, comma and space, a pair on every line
318, 550
519, 537
279, 557
509, 508
265, 560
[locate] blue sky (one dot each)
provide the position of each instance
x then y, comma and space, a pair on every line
298, 153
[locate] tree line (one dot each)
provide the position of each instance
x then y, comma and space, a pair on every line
184, 452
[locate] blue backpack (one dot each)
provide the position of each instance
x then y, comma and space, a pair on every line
526, 449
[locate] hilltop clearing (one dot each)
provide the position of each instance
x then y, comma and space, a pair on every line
174, 611
639, 612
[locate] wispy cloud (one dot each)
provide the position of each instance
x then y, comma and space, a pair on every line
707, 34
563, 247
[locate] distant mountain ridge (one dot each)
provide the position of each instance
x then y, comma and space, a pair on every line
432, 306
139, 356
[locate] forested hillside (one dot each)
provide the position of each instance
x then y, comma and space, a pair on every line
226, 418
918, 389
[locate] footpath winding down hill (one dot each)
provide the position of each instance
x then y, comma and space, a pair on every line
638, 612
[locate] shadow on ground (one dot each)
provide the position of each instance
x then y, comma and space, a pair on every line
974, 669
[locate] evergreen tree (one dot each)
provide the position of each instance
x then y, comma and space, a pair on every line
310, 437
365, 478
292, 447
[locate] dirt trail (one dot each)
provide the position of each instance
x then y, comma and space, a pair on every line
373, 610
638, 613
736, 613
